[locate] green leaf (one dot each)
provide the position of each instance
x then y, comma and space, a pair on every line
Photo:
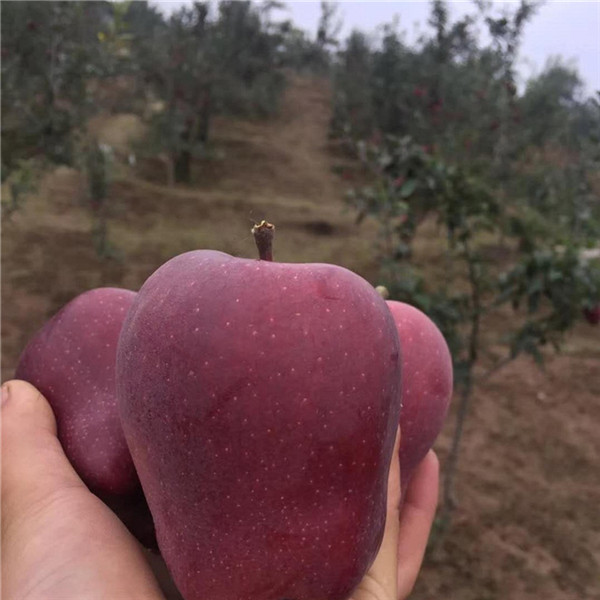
408, 188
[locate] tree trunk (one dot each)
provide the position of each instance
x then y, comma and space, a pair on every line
204, 118
170, 165
183, 167
448, 498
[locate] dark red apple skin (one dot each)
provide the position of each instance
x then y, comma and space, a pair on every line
592, 315
71, 360
260, 401
427, 379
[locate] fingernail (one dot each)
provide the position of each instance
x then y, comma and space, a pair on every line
5, 395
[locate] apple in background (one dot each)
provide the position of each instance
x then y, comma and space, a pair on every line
71, 360
260, 401
592, 315
426, 385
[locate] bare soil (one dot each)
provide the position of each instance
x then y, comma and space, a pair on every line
528, 520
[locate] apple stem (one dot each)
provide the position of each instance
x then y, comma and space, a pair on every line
263, 233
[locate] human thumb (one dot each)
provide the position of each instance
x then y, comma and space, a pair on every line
58, 539
34, 466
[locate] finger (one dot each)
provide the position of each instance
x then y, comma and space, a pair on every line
381, 580
416, 519
58, 539
34, 466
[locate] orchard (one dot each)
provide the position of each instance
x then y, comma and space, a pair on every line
263, 423
543, 218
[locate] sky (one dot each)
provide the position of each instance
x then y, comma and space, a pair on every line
567, 28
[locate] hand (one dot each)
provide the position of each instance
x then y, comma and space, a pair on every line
394, 572
61, 541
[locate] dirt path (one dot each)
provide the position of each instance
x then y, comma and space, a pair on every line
528, 524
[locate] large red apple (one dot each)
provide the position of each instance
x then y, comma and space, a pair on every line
260, 402
426, 385
71, 360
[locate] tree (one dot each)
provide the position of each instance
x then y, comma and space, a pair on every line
97, 166
443, 135
545, 283
49, 50
203, 65
352, 109
52, 52
548, 102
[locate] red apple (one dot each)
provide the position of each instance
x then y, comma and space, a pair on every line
260, 401
71, 360
426, 385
